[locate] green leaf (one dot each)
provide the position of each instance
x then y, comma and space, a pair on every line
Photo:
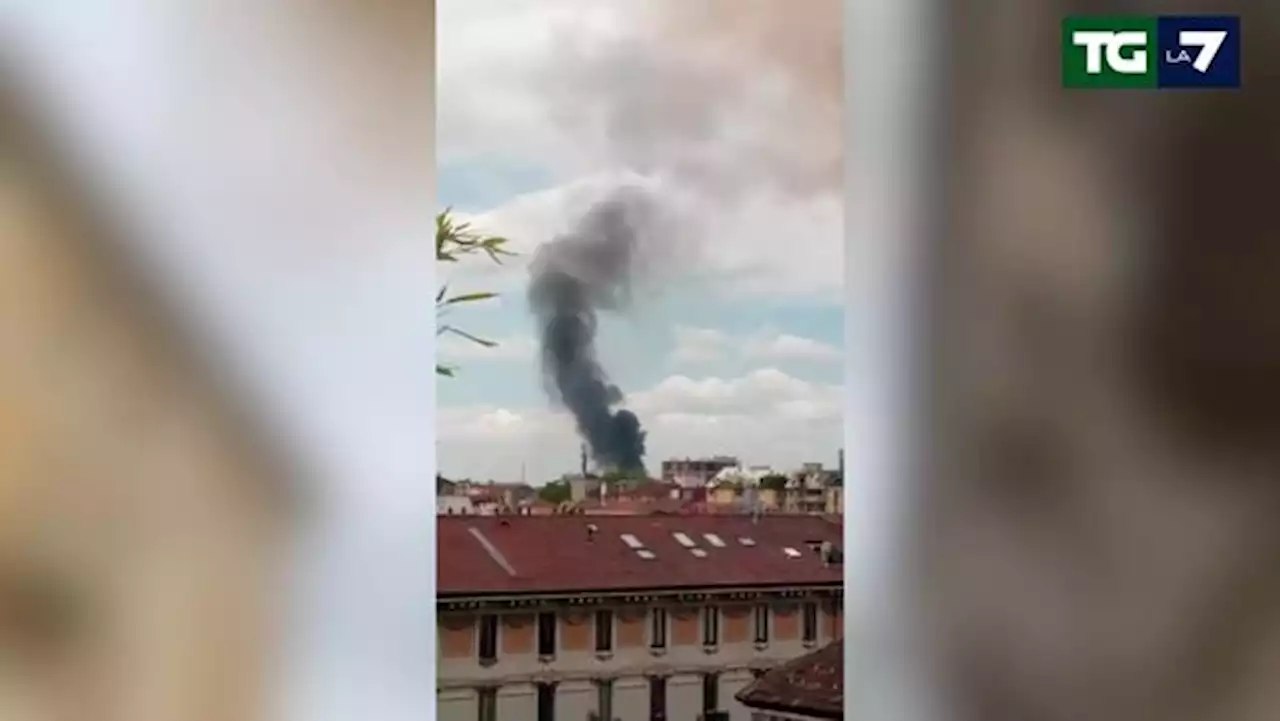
474, 339
455, 239
469, 298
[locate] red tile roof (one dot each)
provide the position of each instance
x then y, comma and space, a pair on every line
632, 507
552, 554
812, 685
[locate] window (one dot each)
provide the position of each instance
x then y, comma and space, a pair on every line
487, 704
604, 700
604, 631
546, 702
657, 698
710, 626
546, 634
658, 628
810, 623
710, 692
488, 638
762, 623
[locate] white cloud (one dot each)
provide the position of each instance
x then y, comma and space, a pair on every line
763, 391
765, 416
695, 346
486, 423
487, 53
698, 345
787, 347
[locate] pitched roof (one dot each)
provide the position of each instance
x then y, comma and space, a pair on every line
811, 685
552, 554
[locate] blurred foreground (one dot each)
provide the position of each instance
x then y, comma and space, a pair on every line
212, 267
1101, 539
140, 514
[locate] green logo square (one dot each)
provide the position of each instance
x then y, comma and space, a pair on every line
1109, 52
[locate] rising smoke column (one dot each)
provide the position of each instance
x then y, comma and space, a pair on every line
574, 277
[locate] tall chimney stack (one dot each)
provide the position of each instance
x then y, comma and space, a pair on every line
584, 460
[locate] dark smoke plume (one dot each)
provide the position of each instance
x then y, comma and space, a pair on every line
574, 277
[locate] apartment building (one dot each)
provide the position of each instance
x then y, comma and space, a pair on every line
626, 618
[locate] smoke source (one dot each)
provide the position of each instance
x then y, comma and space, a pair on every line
574, 277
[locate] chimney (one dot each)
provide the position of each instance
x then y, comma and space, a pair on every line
584, 460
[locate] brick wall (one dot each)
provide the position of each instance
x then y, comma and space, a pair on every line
833, 620
631, 629
736, 622
786, 622
457, 635
684, 627
517, 634
576, 632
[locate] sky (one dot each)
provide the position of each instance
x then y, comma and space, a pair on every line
729, 115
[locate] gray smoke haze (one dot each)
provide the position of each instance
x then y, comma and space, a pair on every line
712, 101
573, 278
743, 94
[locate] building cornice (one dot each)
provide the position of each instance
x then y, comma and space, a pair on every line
581, 599
552, 676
